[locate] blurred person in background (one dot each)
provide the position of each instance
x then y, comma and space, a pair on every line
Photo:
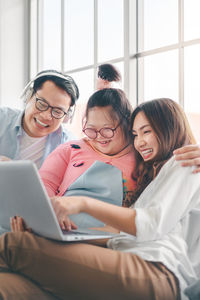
108, 76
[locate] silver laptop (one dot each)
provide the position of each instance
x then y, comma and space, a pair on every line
22, 193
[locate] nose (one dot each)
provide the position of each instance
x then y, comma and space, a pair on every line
98, 135
139, 142
46, 114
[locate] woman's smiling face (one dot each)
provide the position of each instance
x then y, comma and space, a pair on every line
98, 118
145, 139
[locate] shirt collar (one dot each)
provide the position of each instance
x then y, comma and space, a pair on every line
17, 125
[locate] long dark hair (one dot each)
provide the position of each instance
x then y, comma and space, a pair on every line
121, 108
172, 130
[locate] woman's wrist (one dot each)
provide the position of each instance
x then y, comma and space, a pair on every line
85, 204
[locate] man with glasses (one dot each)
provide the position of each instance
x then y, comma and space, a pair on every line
37, 130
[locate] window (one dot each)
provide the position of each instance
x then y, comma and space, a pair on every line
78, 40
13, 52
160, 76
155, 44
110, 29
75, 36
192, 87
168, 61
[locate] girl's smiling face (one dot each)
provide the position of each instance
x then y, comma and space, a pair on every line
98, 118
145, 139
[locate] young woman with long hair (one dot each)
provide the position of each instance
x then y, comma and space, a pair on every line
154, 256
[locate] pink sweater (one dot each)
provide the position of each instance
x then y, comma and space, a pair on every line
68, 161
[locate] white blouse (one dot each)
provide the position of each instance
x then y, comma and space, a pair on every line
167, 223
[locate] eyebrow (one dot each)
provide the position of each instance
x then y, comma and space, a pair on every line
105, 125
147, 125
41, 98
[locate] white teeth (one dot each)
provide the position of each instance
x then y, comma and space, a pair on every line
147, 151
103, 142
42, 124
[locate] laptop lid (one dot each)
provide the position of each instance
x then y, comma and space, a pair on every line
23, 194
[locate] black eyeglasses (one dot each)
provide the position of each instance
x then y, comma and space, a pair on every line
56, 112
105, 132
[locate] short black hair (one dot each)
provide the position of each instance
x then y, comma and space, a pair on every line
108, 72
66, 83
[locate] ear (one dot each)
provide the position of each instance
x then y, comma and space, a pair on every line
66, 118
70, 114
29, 93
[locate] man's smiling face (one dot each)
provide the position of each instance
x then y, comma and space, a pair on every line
41, 123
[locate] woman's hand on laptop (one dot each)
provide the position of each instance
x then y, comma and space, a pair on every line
4, 158
58, 204
17, 224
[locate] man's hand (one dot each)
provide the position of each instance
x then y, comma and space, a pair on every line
189, 156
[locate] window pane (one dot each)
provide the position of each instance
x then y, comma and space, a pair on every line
192, 88
51, 39
12, 53
110, 29
160, 76
85, 82
33, 39
79, 33
192, 20
160, 24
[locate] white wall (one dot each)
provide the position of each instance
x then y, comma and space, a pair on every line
13, 51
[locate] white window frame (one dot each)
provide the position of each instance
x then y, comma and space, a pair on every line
180, 46
36, 63
133, 73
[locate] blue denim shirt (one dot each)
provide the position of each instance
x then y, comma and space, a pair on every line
11, 131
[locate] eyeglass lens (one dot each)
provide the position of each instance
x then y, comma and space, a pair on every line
105, 132
56, 112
